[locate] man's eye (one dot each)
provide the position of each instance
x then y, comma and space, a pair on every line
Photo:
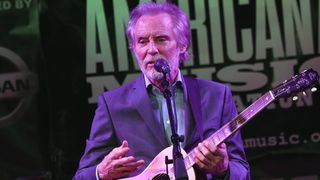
161, 39
142, 41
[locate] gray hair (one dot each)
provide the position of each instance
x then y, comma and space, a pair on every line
179, 18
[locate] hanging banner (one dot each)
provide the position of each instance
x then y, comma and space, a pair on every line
21, 152
250, 45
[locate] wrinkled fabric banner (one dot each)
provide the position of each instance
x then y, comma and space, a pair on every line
252, 46
21, 152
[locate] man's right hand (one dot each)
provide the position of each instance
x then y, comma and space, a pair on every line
116, 165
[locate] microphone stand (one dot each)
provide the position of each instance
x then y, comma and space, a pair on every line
180, 171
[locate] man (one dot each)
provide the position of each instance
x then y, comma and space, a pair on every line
130, 126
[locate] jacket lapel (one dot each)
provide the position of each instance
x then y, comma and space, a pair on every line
194, 99
143, 105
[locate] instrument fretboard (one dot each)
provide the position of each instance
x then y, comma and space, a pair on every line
231, 127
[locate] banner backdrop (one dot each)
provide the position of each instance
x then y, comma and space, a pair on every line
250, 45
22, 132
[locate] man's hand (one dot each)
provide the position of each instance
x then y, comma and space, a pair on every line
211, 158
115, 165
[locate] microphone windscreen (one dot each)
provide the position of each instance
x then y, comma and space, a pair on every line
162, 65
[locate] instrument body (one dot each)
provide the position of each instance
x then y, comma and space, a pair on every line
157, 168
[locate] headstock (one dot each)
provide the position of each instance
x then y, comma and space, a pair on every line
298, 83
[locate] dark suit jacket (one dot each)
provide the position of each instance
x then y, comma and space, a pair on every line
126, 113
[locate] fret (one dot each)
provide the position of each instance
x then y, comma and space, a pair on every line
240, 119
233, 125
189, 159
224, 132
256, 107
191, 154
216, 140
213, 140
227, 131
220, 135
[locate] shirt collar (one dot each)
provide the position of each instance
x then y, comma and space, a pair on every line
180, 84
179, 79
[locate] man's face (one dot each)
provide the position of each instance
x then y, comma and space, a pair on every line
154, 38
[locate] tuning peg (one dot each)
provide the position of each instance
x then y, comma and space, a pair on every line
314, 89
304, 93
294, 98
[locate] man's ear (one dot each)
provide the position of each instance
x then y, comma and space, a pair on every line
183, 49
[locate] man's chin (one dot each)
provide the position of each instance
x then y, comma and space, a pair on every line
155, 76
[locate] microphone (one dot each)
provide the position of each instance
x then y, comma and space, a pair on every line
162, 65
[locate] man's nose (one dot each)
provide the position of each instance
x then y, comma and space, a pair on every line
152, 50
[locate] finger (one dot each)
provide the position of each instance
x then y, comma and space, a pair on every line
119, 152
129, 168
125, 143
124, 160
200, 156
128, 162
140, 163
207, 152
210, 146
222, 145
221, 150
134, 164
199, 162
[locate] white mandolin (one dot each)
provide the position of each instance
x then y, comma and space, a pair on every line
157, 169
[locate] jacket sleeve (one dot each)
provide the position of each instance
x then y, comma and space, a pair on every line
238, 165
101, 141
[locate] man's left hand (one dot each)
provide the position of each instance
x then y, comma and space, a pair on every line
212, 158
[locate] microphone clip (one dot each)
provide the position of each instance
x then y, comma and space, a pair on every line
166, 88
163, 67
